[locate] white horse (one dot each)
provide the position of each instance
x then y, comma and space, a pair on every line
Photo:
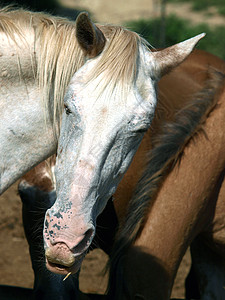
109, 105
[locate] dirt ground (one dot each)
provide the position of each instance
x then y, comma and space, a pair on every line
15, 267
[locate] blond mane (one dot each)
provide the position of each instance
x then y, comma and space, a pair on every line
59, 56
119, 59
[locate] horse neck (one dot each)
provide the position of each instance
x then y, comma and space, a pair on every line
185, 203
26, 133
23, 144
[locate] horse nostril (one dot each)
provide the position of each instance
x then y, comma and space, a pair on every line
85, 242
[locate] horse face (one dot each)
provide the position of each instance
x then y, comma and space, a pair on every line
98, 140
100, 133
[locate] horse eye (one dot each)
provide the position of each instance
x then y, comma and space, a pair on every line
68, 111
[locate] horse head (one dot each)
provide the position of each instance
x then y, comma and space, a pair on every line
109, 105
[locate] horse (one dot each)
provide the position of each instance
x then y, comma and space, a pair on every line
98, 137
121, 70
179, 200
34, 179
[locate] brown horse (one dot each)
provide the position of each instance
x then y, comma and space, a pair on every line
188, 78
179, 199
175, 90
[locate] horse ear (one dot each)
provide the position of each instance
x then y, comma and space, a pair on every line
167, 59
90, 37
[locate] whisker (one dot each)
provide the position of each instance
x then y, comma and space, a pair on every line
67, 276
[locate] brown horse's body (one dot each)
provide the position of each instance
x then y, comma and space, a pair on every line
190, 203
175, 90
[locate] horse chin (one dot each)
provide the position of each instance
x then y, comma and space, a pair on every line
64, 270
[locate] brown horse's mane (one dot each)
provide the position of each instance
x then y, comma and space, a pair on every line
167, 149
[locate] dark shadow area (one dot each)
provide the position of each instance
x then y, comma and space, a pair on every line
136, 274
35, 5
14, 293
191, 285
107, 224
18, 293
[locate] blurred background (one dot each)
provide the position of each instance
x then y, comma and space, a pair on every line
161, 22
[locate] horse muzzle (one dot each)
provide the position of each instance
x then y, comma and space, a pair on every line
61, 260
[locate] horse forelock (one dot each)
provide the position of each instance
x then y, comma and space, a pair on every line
119, 60
59, 57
